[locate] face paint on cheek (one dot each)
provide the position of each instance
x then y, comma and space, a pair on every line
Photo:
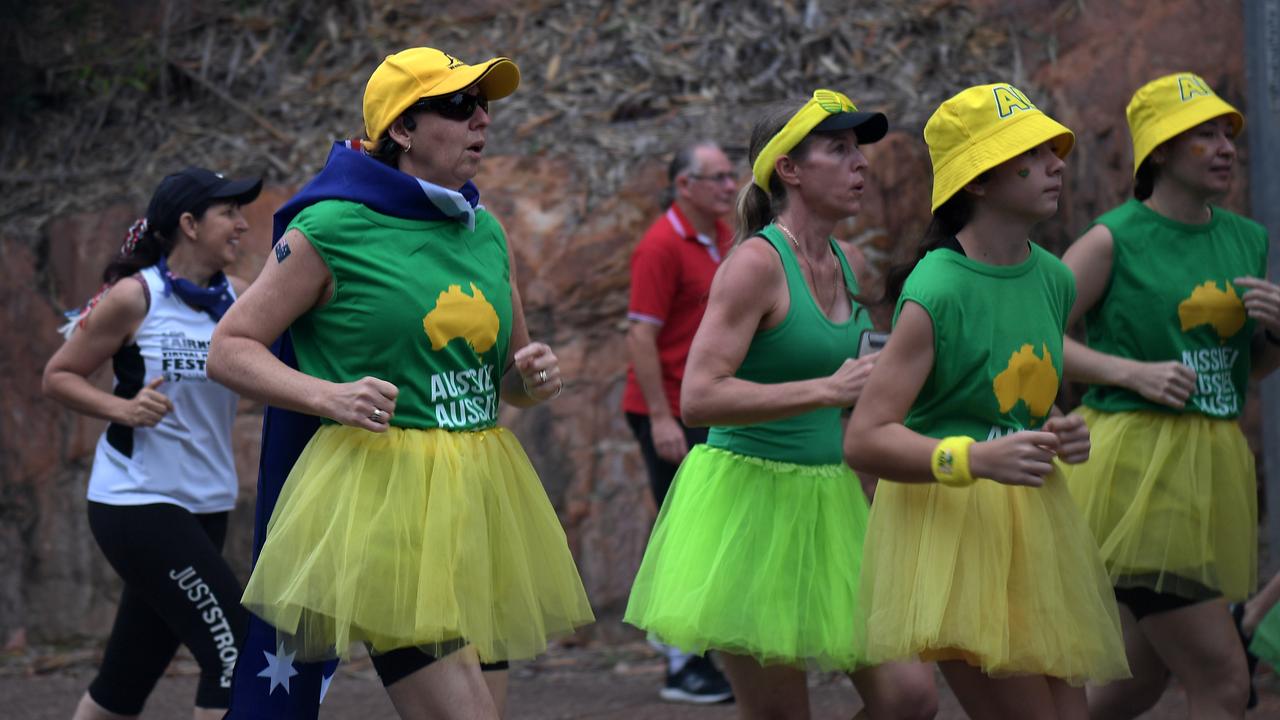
1198, 150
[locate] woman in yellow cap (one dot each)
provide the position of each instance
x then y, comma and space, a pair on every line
1178, 318
410, 522
756, 549
976, 557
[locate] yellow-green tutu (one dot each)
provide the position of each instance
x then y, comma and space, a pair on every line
1005, 578
416, 538
1172, 502
756, 557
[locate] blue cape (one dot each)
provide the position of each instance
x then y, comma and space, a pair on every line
268, 684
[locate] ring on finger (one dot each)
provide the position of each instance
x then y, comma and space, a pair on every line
376, 415
542, 376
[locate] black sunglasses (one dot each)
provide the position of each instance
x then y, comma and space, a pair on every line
458, 106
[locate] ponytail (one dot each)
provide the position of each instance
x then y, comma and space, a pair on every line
143, 247
948, 220
754, 211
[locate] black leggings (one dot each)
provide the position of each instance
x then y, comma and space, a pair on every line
177, 589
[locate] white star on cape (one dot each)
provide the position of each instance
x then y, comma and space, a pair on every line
279, 669
324, 683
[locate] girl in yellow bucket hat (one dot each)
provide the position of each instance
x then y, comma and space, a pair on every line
1178, 318
976, 556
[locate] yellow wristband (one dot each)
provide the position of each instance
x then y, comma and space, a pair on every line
950, 462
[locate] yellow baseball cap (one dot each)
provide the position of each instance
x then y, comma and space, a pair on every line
825, 111
409, 75
982, 127
1171, 105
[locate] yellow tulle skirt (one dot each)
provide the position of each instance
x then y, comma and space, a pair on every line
1172, 502
1005, 578
416, 538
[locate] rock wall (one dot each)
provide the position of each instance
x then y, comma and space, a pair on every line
572, 262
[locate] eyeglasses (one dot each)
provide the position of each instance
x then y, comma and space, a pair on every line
458, 106
720, 178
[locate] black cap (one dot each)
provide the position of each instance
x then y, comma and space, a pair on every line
869, 126
192, 188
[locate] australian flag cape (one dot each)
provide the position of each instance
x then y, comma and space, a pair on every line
268, 684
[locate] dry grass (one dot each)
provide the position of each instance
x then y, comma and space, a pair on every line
109, 102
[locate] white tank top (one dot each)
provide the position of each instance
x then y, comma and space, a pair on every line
186, 458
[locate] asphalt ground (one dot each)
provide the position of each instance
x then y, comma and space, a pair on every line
614, 682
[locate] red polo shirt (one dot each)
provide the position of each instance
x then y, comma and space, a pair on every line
671, 271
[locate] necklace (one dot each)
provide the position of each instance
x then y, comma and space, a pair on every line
824, 305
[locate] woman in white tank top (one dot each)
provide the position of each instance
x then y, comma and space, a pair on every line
164, 478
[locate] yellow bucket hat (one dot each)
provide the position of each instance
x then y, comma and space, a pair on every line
1171, 105
826, 111
409, 75
982, 127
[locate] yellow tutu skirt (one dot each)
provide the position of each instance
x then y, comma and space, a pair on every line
1005, 578
423, 538
1172, 502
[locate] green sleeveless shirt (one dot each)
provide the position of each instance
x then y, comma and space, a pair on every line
997, 342
425, 305
805, 345
1171, 296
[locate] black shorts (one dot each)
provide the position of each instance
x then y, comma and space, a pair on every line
1144, 602
177, 590
403, 662
661, 472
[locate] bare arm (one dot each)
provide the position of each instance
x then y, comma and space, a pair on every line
1089, 259
877, 442
238, 284
240, 355
1169, 383
522, 386
107, 329
745, 296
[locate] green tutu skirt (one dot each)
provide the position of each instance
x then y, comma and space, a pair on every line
756, 557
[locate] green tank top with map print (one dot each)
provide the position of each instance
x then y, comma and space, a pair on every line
997, 342
1172, 296
424, 305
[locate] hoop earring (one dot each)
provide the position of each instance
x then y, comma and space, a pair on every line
407, 147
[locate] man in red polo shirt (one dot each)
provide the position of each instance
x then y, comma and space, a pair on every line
671, 273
